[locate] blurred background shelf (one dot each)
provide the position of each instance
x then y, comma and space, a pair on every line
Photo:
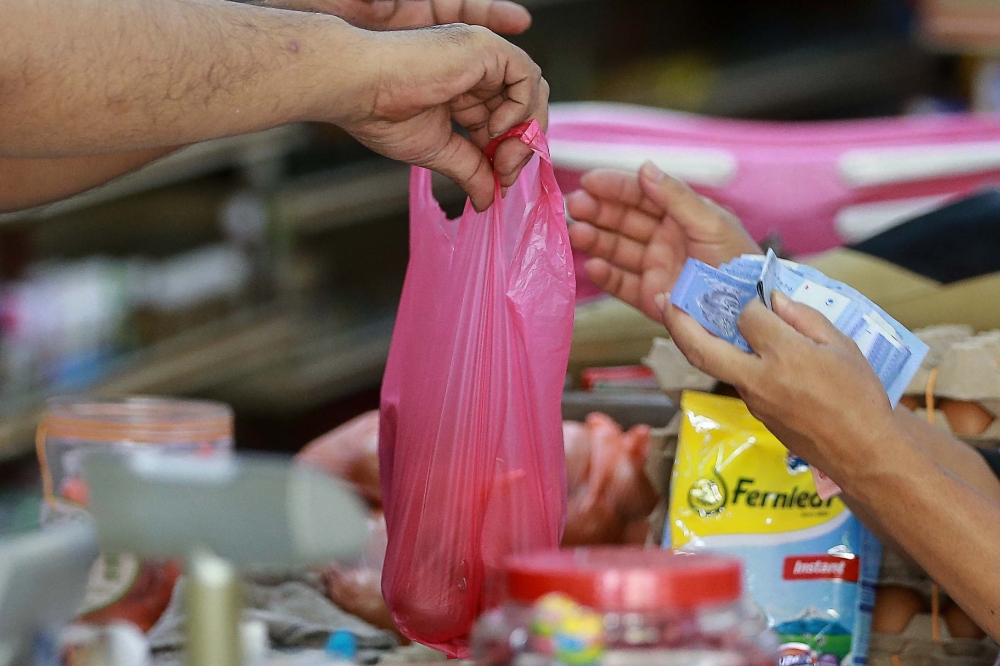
272, 363
365, 192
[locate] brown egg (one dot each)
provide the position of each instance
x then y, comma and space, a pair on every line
961, 625
895, 608
911, 402
965, 417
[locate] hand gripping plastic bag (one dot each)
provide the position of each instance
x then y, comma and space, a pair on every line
470, 438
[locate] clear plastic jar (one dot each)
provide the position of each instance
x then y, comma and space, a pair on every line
122, 586
649, 607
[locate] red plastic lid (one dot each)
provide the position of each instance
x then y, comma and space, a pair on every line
627, 579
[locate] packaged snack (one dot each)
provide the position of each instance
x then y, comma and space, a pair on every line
809, 562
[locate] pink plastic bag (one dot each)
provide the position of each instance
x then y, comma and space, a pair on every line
470, 438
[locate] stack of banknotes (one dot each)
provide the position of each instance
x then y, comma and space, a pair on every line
716, 297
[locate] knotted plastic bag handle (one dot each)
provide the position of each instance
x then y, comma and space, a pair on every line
515, 132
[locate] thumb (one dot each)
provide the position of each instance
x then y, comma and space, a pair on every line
804, 319
465, 164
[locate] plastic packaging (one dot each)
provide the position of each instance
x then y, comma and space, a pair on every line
624, 606
471, 454
810, 563
609, 492
122, 586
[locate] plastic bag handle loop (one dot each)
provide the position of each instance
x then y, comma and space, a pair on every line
422, 201
515, 132
420, 179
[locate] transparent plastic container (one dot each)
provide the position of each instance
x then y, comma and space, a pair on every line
122, 586
648, 607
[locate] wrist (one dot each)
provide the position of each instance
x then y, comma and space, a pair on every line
877, 463
338, 63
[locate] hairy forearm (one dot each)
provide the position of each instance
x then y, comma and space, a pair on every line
25, 183
948, 526
85, 77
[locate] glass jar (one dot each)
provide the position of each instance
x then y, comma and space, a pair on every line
627, 606
121, 585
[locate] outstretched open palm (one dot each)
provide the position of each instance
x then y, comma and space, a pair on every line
641, 229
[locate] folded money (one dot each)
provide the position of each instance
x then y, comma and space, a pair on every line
715, 297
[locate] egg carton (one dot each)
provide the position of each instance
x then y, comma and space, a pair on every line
968, 370
916, 647
899, 570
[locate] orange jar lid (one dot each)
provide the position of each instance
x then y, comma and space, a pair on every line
138, 420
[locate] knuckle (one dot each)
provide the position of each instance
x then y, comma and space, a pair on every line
458, 32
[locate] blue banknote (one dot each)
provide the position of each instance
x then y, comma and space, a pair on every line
715, 297
893, 351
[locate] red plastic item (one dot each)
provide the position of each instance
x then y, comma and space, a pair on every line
608, 487
619, 377
654, 607
515, 132
146, 599
627, 579
470, 452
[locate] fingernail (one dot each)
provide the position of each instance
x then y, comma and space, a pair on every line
661, 301
650, 172
779, 299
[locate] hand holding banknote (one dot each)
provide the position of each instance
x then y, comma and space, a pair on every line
807, 382
651, 235
640, 229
